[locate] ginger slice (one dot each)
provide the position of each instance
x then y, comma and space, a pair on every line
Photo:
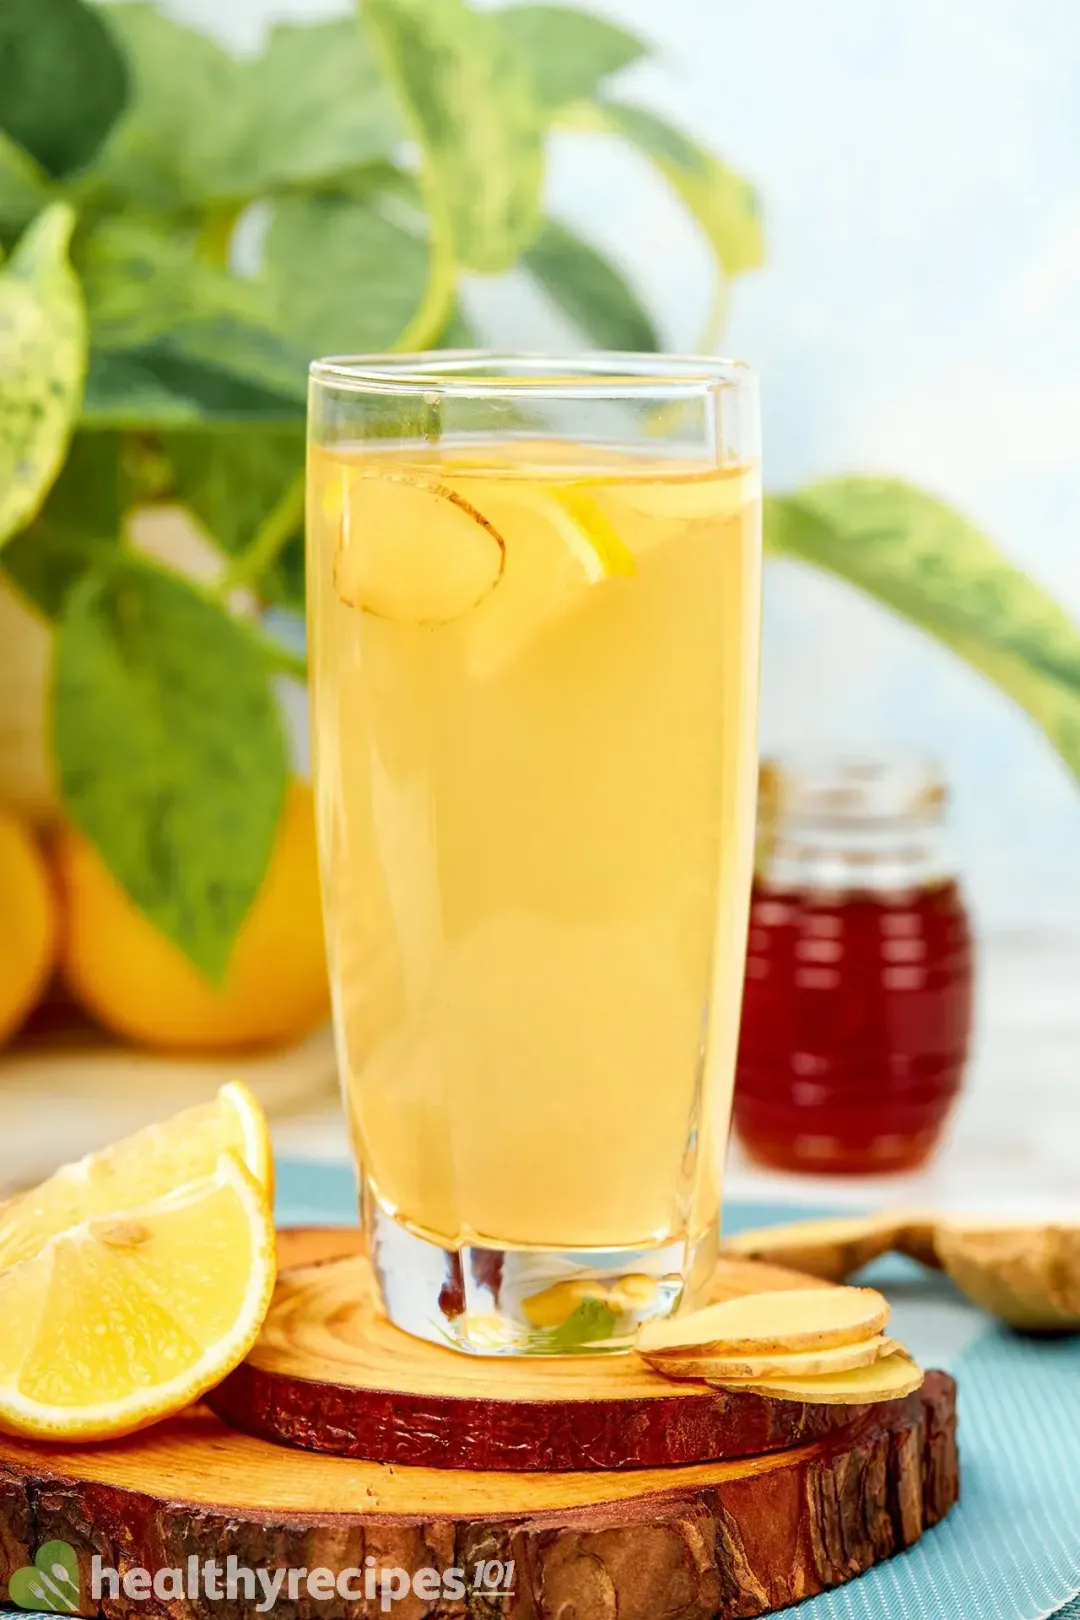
794, 1364
413, 550
772, 1323
1025, 1273
885, 1380
835, 1248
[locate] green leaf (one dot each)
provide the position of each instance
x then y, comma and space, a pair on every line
147, 288
78, 526
921, 558
63, 83
128, 391
590, 289
143, 280
25, 188
319, 108
42, 364
568, 52
725, 205
186, 118
237, 483
206, 128
231, 481
588, 1323
176, 384
342, 276
247, 355
469, 99
170, 750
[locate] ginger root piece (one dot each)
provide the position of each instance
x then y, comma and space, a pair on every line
1029, 1276
773, 1323
413, 550
1026, 1274
835, 1249
714, 1369
885, 1380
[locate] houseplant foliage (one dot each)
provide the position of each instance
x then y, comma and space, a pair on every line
375, 159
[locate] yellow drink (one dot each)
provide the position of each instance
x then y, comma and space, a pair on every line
540, 818
535, 684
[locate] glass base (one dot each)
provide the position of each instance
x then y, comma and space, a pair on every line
524, 1302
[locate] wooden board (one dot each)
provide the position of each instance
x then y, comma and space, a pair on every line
704, 1542
331, 1374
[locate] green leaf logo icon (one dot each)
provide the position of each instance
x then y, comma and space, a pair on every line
51, 1582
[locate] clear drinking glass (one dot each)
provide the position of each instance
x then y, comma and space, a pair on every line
534, 624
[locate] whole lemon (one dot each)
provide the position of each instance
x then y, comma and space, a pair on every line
27, 924
140, 985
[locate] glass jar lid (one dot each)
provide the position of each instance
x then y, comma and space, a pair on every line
853, 789
851, 819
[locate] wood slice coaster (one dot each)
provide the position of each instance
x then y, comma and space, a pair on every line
705, 1543
331, 1374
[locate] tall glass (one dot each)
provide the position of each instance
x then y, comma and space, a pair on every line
534, 622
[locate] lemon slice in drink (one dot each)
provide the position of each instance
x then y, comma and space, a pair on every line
129, 1317
140, 1168
561, 545
414, 550
589, 535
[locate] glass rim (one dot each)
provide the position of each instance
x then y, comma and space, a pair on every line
589, 374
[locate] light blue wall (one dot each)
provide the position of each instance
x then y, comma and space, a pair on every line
920, 314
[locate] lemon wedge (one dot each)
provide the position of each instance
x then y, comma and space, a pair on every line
138, 1169
560, 546
586, 530
128, 1317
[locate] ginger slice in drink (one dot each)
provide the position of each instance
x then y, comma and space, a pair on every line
774, 1322
562, 548
886, 1380
414, 550
793, 1364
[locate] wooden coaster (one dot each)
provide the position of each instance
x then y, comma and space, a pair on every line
718, 1539
331, 1374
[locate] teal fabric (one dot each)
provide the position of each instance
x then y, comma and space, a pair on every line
1011, 1549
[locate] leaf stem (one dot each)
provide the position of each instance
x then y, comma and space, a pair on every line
433, 312
278, 659
717, 318
273, 533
